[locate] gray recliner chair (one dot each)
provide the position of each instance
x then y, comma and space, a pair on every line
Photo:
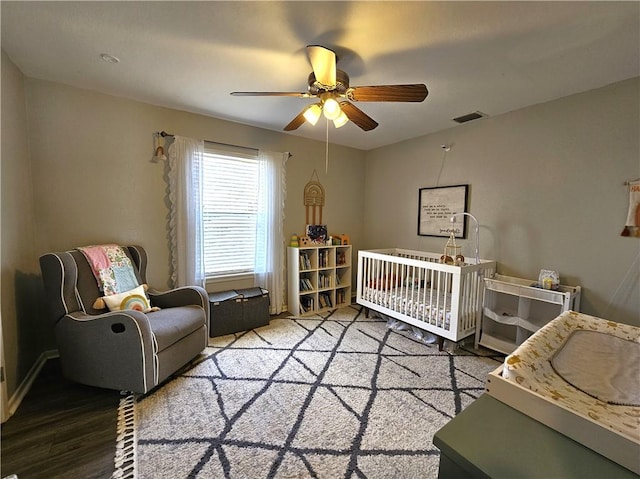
125, 350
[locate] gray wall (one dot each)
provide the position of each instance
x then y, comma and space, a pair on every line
546, 184
20, 273
94, 181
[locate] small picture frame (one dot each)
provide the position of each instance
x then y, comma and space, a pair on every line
437, 205
317, 234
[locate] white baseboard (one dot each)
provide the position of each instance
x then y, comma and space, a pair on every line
25, 385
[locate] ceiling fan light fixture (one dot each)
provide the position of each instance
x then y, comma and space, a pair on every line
329, 84
341, 120
331, 109
312, 113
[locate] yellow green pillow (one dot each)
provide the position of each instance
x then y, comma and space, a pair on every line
135, 299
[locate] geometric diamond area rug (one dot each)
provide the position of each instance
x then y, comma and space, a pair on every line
331, 396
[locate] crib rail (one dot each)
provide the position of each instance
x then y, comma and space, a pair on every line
414, 287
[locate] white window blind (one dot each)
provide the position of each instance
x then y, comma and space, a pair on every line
230, 197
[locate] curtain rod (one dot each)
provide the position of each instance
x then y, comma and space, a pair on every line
164, 133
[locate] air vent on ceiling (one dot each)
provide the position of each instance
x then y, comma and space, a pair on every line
469, 116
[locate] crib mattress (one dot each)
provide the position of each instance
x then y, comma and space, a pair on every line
527, 381
413, 302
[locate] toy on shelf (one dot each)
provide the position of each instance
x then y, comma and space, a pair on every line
305, 241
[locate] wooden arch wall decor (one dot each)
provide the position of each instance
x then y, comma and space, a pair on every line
313, 200
632, 226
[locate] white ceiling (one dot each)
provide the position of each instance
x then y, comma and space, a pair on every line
491, 57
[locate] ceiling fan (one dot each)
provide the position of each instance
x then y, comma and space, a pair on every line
331, 86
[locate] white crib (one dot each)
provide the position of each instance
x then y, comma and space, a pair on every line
414, 287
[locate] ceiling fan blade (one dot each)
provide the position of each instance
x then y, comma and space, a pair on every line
357, 116
416, 92
296, 122
323, 62
270, 93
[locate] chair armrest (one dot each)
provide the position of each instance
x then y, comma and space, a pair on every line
116, 350
184, 296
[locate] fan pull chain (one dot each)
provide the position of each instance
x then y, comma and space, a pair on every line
326, 151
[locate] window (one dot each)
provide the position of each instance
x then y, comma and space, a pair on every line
238, 198
230, 211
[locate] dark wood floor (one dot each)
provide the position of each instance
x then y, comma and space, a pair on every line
61, 430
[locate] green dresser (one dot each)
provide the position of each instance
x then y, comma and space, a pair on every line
492, 440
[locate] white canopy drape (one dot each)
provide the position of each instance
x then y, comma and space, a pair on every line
185, 217
270, 249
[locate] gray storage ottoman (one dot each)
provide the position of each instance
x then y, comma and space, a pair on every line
238, 310
255, 307
225, 313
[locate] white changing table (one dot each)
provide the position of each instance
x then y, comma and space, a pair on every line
513, 309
